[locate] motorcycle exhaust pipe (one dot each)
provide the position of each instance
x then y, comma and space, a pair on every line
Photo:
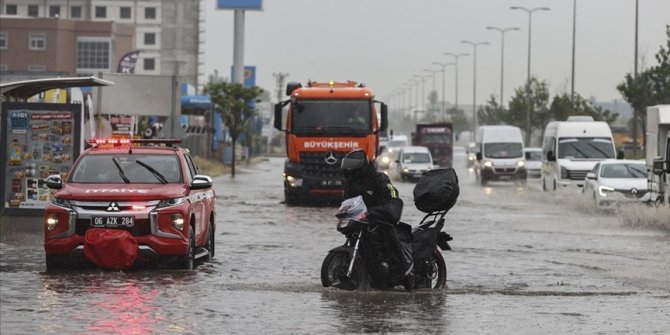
353, 256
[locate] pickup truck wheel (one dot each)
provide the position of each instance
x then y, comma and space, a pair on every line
52, 263
210, 242
187, 262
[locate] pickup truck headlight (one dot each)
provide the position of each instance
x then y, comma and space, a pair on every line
170, 202
52, 222
178, 221
604, 190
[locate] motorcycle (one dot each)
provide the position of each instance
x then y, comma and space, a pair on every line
366, 261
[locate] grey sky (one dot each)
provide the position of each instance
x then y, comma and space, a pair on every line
384, 43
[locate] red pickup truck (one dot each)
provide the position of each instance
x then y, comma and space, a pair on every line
150, 189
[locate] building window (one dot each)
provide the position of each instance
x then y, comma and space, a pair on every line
54, 11
75, 12
33, 10
149, 38
150, 13
37, 68
3, 40
37, 41
124, 13
11, 10
93, 54
149, 64
100, 12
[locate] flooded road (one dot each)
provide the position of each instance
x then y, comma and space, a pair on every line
523, 262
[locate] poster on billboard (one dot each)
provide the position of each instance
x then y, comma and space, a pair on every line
39, 140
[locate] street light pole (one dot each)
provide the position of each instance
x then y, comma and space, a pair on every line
444, 101
530, 15
432, 73
456, 56
474, 82
423, 91
502, 57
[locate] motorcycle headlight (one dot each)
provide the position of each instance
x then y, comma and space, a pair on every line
170, 202
604, 190
61, 202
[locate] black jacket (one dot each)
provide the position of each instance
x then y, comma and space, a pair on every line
380, 197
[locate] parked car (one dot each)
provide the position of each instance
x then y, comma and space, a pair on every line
533, 162
413, 161
612, 182
147, 191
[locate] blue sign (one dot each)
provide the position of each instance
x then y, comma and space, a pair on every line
249, 75
240, 4
196, 101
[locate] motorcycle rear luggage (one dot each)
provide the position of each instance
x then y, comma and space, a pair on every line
436, 190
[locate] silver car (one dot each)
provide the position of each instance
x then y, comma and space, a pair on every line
613, 182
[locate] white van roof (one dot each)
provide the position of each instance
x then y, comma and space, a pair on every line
581, 129
499, 133
408, 149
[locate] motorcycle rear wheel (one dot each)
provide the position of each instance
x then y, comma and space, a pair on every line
334, 272
434, 273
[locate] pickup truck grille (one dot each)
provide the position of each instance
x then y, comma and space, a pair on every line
314, 164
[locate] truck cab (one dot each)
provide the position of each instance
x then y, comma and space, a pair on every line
325, 121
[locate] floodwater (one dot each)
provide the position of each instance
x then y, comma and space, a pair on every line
523, 262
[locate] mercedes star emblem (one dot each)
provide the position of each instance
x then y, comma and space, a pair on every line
113, 207
330, 158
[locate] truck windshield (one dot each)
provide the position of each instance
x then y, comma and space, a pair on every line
102, 169
331, 117
435, 138
585, 148
503, 150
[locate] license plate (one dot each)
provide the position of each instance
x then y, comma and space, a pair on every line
418, 175
331, 183
112, 221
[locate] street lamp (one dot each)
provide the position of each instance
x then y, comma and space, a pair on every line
530, 15
456, 56
423, 91
432, 73
502, 57
444, 102
474, 82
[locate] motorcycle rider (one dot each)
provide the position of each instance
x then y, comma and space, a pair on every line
383, 203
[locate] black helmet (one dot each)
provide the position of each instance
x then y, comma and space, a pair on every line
354, 161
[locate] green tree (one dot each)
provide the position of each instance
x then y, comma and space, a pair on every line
234, 102
562, 107
536, 95
650, 87
491, 113
460, 121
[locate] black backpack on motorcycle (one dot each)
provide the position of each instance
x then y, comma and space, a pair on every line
436, 190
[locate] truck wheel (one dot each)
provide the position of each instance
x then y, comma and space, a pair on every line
187, 262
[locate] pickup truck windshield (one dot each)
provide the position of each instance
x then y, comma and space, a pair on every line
331, 117
503, 150
145, 169
585, 148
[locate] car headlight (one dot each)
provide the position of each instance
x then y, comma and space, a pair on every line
405, 170
61, 202
170, 202
178, 221
385, 160
294, 182
520, 163
604, 190
52, 221
470, 157
488, 164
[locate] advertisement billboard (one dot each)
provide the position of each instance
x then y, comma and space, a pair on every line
240, 4
38, 140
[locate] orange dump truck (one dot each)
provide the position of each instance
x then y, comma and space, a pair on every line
324, 121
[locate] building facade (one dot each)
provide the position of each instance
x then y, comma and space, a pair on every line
168, 34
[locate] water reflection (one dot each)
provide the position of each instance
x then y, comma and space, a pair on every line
417, 312
111, 302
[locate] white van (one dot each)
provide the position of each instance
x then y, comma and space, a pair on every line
570, 149
413, 162
500, 155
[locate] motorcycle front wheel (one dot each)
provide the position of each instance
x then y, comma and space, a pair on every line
334, 272
433, 273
